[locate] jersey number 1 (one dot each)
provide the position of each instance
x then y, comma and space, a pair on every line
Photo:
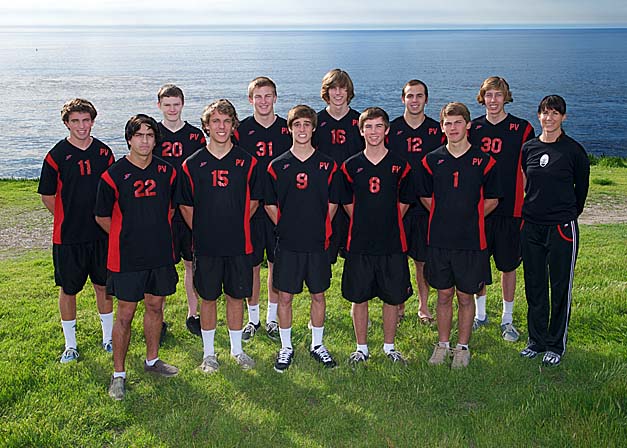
220, 178
85, 167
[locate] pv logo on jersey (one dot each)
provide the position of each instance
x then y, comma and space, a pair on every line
544, 160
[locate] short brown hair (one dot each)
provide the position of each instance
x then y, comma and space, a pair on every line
455, 109
134, 124
335, 78
415, 82
260, 81
494, 83
77, 105
224, 107
371, 113
171, 91
301, 111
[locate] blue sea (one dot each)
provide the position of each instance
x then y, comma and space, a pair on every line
121, 69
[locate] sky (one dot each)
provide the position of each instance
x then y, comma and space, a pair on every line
270, 14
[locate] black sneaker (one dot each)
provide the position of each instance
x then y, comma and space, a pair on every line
322, 355
249, 331
272, 329
357, 357
193, 325
284, 359
164, 329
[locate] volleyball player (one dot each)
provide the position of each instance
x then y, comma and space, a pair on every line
68, 185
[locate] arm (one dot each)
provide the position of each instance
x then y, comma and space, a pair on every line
273, 213
104, 222
48, 201
332, 210
426, 202
187, 212
254, 205
489, 205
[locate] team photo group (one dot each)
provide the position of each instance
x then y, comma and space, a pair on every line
301, 191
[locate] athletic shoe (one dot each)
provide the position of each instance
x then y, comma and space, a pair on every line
322, 355
244, 361
551, 359
478, 323
193, 325
357, 357
116, 388
210, 364
396, 357
164, 329
161, 368
528, 352
272, 329
461, 358
108, 346
69, 355
509, 332
249, 331
284, 359
439, 355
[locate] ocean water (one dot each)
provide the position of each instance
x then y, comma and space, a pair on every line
121, 69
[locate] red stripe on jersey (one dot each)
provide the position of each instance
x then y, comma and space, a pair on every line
328, 229
431, 209
171, 214
350, 179
113, 259
401, 227
189, 176
111, 159
59, 214
520, 196
489, 166
480, 209
249, 244
236, 135
426, 165
272, 172
50, 161
330, 178
350, 227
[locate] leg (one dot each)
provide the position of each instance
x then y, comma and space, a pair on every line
318, 308
273, 293
465, 316
444, 313
104, 302
67, 305
153, 316
508, 285
389, 322
423, 290
285, 318
254, 298
234, 313
122, 333
360, 322
188, 280
208, 314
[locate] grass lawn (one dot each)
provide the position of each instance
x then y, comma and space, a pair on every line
499, 400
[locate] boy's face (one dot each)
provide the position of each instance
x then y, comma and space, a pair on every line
263, 99
143, 141
338, 96
415, 99
79, 124
455, 128
302, 131
220, 127
374, 131
171, 107
551, 120
494, 101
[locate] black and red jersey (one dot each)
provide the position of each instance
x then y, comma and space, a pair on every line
264, 144
376, 191
72, 175
457, 187
338, 139
558, 177
413, 144
504, 142
220, 190
302, 191
139, 203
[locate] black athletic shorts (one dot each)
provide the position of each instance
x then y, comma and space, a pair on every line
503, 238
384, 276
339, 227
416, 228
291, 269
131, 286
182, 239
74, 262
263, 236
233, 274
464, 269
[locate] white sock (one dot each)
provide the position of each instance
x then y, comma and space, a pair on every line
480, 313
446, 344
286, 337
106, 321
253, 314
508, 310
236, 342
387, 348
152, 362
69, 331
119, 374
316, 336
271, 313
207, 342
363, 348
461, 346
